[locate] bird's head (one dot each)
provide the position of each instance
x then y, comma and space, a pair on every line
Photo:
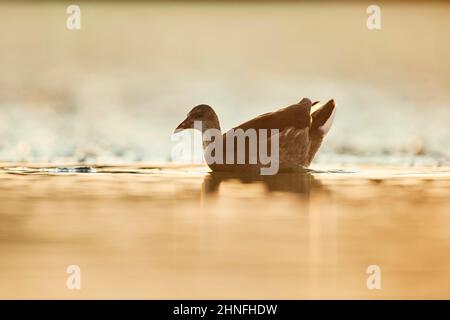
203, 113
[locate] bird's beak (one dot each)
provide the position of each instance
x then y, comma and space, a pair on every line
182, 126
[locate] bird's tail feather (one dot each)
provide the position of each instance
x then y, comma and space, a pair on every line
322, 118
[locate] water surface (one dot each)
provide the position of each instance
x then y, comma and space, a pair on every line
181, 232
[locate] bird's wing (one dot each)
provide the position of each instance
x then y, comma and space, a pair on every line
297, 116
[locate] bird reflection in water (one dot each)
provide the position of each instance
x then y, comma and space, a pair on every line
302, 183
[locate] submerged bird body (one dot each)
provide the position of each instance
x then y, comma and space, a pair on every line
300, 134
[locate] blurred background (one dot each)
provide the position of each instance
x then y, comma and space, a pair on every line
114, 91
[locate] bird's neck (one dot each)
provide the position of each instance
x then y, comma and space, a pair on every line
210, 124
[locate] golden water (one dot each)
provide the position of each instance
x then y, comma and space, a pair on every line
181, 232
116, 89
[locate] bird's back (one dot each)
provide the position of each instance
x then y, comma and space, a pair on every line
296, 116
